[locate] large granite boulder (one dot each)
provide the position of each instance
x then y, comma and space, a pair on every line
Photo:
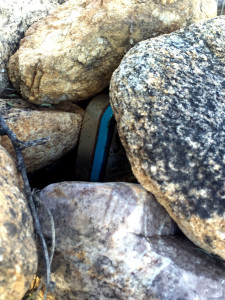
18, 253
15, 18
71, 54
29, 123
168, 96
112, 243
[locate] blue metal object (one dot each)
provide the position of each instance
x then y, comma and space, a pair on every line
101, 146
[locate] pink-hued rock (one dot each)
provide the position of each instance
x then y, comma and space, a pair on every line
71, 54
18, 253
112, 243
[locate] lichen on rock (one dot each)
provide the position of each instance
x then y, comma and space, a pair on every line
168, 99
71, 54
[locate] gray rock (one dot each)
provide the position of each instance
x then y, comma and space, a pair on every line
18, 253
112, 243
15, 18
168, 99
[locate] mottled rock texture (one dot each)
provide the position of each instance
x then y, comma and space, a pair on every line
15, 18
112, 243
168, 96
18, 254
29, 122
71, 54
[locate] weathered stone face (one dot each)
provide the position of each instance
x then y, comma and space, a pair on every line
168, 99
71, 54
29, 123
112, 243
18, 253
15, 18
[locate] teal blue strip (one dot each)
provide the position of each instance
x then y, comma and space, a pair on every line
101, 144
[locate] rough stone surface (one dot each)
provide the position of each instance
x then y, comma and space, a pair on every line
168, 99
30, 123
15, 18
18, 254
111, 243
71, 54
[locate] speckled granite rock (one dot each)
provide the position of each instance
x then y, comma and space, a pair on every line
111, 243
15, 18
29, 122
71, 54
18, 254
168, 100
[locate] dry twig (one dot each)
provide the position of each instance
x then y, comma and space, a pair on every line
18, 147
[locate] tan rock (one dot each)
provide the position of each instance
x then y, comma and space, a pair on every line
29, 122
71, 54
15, 18
18, 254
38, 283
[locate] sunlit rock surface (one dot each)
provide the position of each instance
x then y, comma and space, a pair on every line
30, 123
71, 54
168, 97
15, 19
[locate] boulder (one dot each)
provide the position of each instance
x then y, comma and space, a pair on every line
71, 54
113, 241
15, 18
29, 122
168, 99
18, 253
